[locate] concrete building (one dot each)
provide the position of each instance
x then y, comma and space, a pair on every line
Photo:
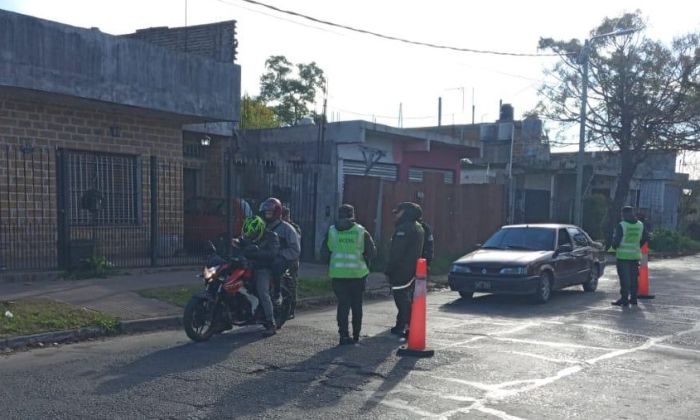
359, 148
84, 117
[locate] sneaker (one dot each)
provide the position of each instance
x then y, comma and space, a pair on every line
344, 340
620, 302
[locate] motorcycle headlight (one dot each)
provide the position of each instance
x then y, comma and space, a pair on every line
514, 270
208, 272
456, 268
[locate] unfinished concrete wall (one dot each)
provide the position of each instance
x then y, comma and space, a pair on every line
51, 57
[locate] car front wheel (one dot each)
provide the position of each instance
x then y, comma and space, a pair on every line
592, 283
544, 289
466, 295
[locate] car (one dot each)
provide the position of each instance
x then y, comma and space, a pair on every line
532, 259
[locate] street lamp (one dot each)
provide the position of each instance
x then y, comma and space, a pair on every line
578, 205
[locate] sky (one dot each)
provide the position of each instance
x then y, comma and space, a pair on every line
370, 78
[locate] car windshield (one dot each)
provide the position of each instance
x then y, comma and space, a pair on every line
522, 238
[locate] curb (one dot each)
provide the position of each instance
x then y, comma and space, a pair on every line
150, 324
140, 326
39, 340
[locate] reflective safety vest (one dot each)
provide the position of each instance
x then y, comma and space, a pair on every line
629, 248
347, 247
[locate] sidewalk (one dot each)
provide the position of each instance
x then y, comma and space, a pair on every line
117, 296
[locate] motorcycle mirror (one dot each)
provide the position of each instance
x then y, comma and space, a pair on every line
211, 246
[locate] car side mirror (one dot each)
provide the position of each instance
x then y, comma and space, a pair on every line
478, 245
565, 248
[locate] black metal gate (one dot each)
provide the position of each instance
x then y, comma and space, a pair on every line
59, 207
294, 183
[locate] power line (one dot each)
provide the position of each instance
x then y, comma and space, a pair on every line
390, 37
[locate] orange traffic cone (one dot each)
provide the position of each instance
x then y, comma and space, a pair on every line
643, 280
416, 328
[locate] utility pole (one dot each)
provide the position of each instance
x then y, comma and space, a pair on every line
440, 111
473, 106
511, 183
400, 115
578, 203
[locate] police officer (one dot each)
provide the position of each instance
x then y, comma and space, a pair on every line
349, 249
629, 236
406, 248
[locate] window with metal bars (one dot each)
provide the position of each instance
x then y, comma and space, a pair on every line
113, 179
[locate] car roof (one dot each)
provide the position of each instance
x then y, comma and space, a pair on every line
541, 225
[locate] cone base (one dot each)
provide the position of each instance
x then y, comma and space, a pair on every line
403, 351
646, 296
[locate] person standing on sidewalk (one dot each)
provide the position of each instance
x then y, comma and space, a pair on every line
348, 249
629, 237
406, 248
293, 266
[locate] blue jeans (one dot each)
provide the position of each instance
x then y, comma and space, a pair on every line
263, 277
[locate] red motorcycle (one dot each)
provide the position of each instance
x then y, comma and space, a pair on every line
229, 298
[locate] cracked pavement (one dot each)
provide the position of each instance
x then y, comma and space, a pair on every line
496, 357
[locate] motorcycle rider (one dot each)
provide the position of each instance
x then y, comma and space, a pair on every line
294, 268
290, 242
261, 247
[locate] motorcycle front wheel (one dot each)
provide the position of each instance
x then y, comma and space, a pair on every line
198, 319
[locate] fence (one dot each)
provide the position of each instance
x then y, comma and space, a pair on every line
460, 215
294, 183
59, 207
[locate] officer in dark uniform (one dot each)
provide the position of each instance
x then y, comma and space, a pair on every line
406, 248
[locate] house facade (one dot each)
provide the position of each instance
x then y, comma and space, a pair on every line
91, 142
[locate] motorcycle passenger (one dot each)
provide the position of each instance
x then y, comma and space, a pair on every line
290, 241
261, 247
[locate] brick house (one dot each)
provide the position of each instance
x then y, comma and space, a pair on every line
91, 141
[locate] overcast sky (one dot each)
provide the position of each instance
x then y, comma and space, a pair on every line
369, 77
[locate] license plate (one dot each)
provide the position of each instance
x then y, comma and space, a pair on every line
482, 285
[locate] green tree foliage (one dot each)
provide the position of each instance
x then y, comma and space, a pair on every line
290, 92
642, 97
255, 114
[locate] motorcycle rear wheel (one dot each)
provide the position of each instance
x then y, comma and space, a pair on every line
198, 319
283, 310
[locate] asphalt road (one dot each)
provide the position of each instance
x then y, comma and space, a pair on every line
496, 357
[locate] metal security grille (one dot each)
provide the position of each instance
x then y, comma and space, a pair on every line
385, 171
111, 178
416, 175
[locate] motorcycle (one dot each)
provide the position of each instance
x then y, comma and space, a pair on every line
230, 299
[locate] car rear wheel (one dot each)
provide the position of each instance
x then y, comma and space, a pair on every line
466, 295
592, 283
544, 289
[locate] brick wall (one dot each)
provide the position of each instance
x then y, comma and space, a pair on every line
31, 133
216, 40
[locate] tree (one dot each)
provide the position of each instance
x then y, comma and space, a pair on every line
290, 94
255, 114
643, 95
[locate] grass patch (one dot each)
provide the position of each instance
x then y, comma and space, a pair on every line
176, 295
307, 287
34, 316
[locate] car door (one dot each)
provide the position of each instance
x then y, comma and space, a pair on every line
564, 262
583, 255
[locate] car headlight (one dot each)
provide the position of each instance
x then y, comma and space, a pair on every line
209, 272
514, 270
456, 268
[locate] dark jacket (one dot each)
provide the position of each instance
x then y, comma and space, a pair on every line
428, 246
346, 224
290, 241
617, 235
261, 253
406, 247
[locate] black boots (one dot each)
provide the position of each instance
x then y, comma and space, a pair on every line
270, 328
621, 302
